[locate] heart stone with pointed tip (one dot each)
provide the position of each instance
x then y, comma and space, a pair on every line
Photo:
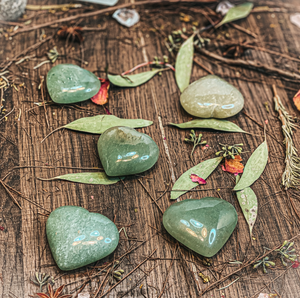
203, 225
212, 97
69, 83
125, 151
78, 237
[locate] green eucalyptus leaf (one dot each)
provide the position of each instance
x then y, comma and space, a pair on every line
99, 124
87, 178
132, 80
236, 13
248, 202
216, 124
184, 63
254, 167
203, 170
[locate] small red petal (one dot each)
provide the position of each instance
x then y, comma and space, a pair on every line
2, 228
267, 121
198, 179
102, 96
296, 264
296, 100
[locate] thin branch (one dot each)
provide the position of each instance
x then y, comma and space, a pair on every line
108, 10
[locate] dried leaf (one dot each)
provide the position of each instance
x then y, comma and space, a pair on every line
236, 13
254, 167
102, 96
99, 124
196, 178
248, 202
216, 124
87, 178
132, 80
233, 166
296, 100
184, 63
203, 170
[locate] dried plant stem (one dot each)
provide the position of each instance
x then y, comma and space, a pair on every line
291, 175
108, 10
10, 194
140, 264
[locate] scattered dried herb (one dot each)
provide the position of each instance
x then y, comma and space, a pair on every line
184, 63
216, 124
254, 167
287, 252
196, 140
87, 178
230, 150
291, 175
203, 170
236, 13
265, 264
42, 279
99, 124
248, 202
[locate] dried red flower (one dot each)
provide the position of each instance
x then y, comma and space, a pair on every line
52, 294
74, 32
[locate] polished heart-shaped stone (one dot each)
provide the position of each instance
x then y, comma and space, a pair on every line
125, 151
69, 83
212, 97
203, 225
78, 237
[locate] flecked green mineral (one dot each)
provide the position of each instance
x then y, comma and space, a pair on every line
77, 237
125, 151
203, 225
69, 83
212, 97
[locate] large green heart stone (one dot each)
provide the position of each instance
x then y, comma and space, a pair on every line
125, 151
77, 237
212, 97
69, 83
202, 225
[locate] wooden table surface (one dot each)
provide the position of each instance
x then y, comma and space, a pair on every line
170, 271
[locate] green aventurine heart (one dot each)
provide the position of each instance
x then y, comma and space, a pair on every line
202, 225
68, 83
125, 151
77, 237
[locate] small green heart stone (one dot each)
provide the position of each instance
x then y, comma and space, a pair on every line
69, 83
212, 97
125, 151
203, 225
77, 237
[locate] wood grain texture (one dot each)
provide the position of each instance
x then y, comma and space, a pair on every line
23, 245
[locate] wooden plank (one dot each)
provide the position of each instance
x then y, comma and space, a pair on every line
23, 246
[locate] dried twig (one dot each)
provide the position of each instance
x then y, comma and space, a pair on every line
140, 264
107, 10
